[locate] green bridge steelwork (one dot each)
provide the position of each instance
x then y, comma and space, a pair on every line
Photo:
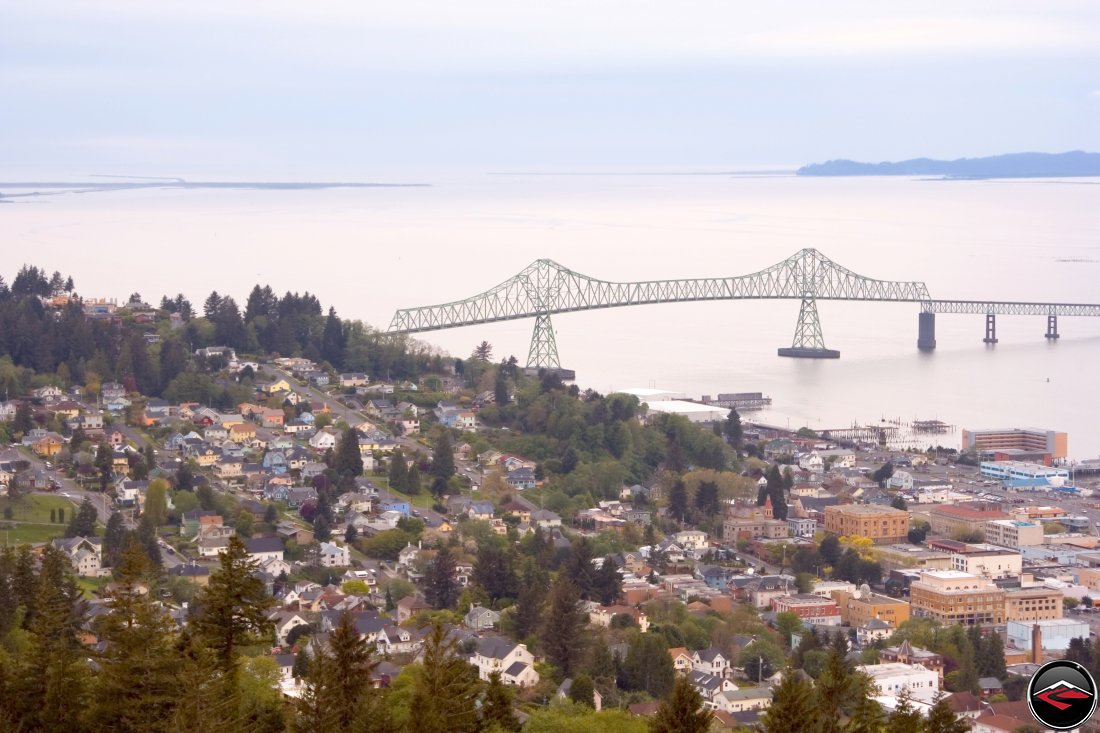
545, 288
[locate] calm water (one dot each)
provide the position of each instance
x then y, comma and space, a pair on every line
371, 251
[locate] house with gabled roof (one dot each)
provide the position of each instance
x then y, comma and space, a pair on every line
85, 554
512, 661
711, 661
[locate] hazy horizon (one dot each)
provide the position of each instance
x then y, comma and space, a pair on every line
361, 91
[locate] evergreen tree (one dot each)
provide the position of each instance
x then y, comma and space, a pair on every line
413, 482
350, 534
648, 665
707, 499
529, 600
339, 682
563, 626
678, 501
441, 589
732, 428
607, 584
494, 573
578, 567
500, 389
905, 718
582, 691
399, 472
445, 689
443, 458
212, 304
333, 340
114, 540
792, 709
777, 492
991, 657
867, 716
837, 688
136, 687
942, 719
50, 683
830, 549
682, 712
83, 522
496, 707
233, 606
210, 702
348, 460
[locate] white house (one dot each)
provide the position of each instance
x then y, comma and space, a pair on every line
85, 553
711, 661
262, 549
514, 663
739, 701
334, 556
691, 539
890, 679
323, 440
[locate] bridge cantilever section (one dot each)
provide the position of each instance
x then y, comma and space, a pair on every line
545, 288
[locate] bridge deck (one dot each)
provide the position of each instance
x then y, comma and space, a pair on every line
1010, 308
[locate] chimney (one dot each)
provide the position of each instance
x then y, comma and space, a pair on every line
1036, 644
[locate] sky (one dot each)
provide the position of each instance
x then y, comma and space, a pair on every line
351, 90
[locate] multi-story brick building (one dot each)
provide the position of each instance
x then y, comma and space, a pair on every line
860, 606
958, 519
810, 608
952, 597
883, 524
1033, 604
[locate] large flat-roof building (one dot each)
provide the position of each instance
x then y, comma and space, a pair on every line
959, 519
884, 525
811, 609
858, 607
1028, 439
894, 677
1017, 473
1013, 532
1056, 633
901, 556
987, 561
1033, 604
952, 597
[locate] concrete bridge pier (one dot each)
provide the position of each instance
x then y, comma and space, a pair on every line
926, 331
1052, 327
990, 329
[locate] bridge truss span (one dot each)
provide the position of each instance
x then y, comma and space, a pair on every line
544, 288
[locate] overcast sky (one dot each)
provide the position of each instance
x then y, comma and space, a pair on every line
270, 90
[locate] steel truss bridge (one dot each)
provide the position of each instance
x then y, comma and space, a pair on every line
545, 288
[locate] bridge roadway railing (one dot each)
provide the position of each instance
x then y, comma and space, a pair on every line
1010, 308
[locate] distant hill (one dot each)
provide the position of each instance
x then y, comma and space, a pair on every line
1013, 165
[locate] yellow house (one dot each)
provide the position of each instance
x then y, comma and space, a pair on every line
48, 445
120, 464
242, 432
279, 385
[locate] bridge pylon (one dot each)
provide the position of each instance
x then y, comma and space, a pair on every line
809, 342
544, 346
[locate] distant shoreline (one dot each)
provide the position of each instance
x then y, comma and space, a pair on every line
1015, 165
53, 188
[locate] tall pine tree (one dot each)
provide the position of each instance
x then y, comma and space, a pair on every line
682, 712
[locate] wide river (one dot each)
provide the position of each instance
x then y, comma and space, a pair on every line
371, 251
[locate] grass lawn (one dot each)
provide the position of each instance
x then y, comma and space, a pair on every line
36, 508
92, 586
29, 534
424, 499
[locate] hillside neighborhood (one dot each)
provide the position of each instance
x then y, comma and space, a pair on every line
577, 553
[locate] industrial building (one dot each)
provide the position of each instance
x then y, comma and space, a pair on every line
1015, 473
1056, 633
1025, 439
